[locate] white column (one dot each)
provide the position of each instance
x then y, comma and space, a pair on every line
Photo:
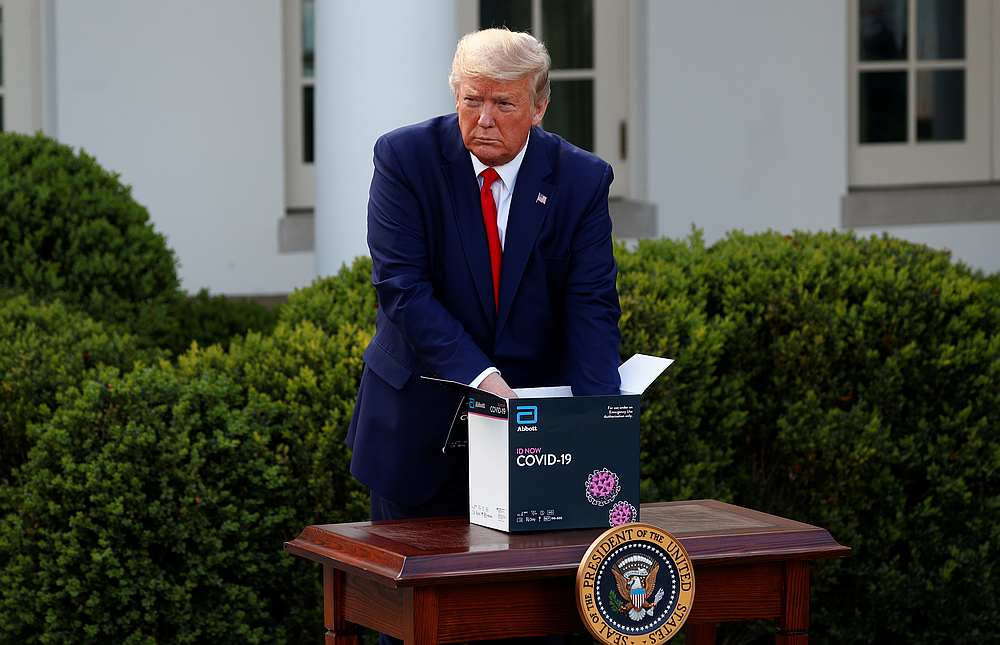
379, 65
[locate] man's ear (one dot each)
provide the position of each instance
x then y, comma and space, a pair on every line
539, 112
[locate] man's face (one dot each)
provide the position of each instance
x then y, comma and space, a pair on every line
495, 117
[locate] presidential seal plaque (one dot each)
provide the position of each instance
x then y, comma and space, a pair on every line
634, 586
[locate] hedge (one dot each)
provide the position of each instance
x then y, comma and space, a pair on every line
845, 382
334, 301
70, 230
154, 504
45, 348
208, 319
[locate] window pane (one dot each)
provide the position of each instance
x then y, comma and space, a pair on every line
568, 32
882, 30
940, 29
882, 107
307, 124
571, 112
941, 105
308, 37
512, 14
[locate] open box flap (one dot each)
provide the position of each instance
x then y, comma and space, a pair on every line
458, 434
465, 387
639, 372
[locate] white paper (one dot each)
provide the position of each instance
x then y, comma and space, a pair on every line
639, 372
551, 392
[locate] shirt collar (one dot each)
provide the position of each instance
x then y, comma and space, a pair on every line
508, 171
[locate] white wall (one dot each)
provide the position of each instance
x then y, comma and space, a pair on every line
977, 244
747, 123
747, 114
184, 99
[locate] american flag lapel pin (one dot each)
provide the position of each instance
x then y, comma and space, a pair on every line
541, 199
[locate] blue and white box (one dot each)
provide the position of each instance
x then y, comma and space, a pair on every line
549, 460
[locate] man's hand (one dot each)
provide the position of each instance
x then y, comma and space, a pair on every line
495, 384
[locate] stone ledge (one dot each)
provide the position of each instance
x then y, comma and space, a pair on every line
920, 205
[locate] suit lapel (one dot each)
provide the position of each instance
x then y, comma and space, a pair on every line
527, 214
469, 217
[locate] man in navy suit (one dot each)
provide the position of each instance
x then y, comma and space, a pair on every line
493, 266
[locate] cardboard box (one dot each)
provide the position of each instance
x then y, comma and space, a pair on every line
548, 460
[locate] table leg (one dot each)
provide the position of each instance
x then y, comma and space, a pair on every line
699, 634
793, 628
420, 606
338, 630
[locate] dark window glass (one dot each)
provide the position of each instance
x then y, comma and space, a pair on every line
307, 124
882, 30
308, 37
512, 14
940, 29
571, 112
568, 31
941, 105
882, 107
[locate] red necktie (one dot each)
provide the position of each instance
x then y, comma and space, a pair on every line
492, 233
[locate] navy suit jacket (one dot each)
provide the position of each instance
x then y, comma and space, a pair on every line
558, 314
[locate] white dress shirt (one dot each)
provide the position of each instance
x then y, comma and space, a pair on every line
502, 192
503, 189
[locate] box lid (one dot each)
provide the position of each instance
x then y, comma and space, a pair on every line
639, 372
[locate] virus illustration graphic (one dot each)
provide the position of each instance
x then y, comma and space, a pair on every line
602, 487
622, 513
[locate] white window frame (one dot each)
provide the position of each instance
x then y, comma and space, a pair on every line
22, 73
300, 177
610, 74
890, 164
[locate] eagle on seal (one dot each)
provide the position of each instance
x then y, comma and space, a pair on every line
638, 593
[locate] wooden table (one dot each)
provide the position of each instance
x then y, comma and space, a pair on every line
445, 580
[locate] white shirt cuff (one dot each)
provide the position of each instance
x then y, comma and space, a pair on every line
482, 377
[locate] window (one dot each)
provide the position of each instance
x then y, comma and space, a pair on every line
921, 96
589, 76
300, 47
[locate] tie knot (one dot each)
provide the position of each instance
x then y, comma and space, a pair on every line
489, 175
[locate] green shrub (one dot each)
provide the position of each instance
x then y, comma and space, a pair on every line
71, 230
303, 382
850, 383
208, 320
856, 388
147, 501
155, 504
693, 415
45, 348
330, 302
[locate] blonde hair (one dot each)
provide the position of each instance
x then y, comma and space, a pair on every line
502, 55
